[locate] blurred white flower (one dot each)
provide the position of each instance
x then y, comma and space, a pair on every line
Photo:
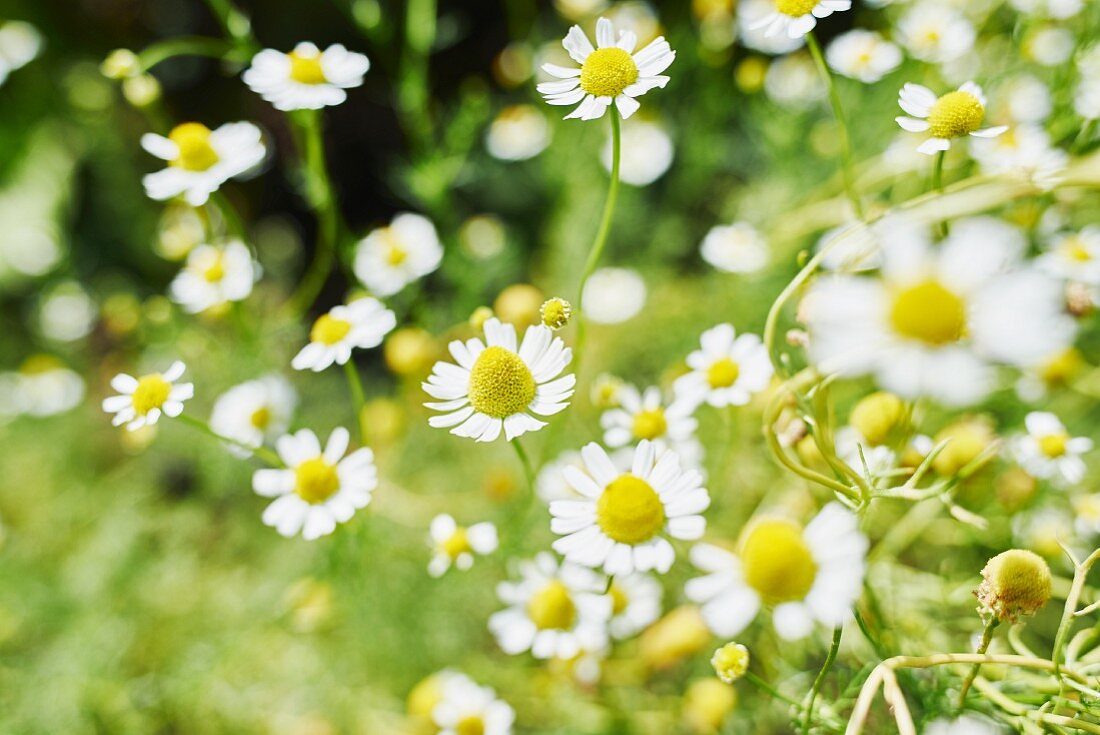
519, 132
1023, 151
214, 276
613, 295
736, 248
646, 416
1086, 512
863, 55
359, 325
756, 37
793, 81
1086, 99
456, 545
647, 152
67, 313
20, 43
1050, 46
467, 708
200, 159
390, 258
796, 18
1074, 256
635, 604
42, 386
306, 78
954, 115
141, 401
1059, 9
727, 370
1028, 99
1048, 452
254, 411
935, 32
856, 251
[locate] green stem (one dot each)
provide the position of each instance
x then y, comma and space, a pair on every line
842, 125
413, 93
154, 54
318, 191
355, 384
262, 452
829, 659
528, 472
987, 638
235, 23
937, 171
767, 688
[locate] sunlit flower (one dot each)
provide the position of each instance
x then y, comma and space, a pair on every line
253, 412
214, 276
736, 248
1048, 451
359, 325
728, 370
611, 72
553, 611
494, 386
306, 78
646, 416
200, 159
456, 545
613, 295
805, 575
796, 18
389, 258
1074, 256
20, 43
635, 604
519, 132
318, 489
935, 32
863, 55
469, 709
954, 115
621, 522
647, 152
42, 386
142, 400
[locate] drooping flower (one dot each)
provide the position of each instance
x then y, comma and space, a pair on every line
389, 258
200, 159
306, 78
728, 370
141, 401
214, 276
954, 115
359, 325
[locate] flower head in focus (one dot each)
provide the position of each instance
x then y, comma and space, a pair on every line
954, 115
142, 400
214, 276
200, 159
306, 78
727, 370
359, 325
390, 258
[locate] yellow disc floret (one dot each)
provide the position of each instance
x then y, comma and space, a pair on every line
260, 418
650, 424
619, 600
501, 384
795, 8
955, 114
315, 480
456, 544
552, 607
214, 270
306, 69
607, 72
328, 330
1014, 583
472, 725
629, 510
193, 142
1053, 445
556, 312
930, 313
730, 662
723, 373
776, 561
151, 393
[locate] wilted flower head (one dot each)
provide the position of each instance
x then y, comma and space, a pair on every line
1015, 583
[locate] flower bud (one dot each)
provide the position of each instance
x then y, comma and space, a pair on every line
556, 312
706, 705
481, 315
142, 90
121, 63
1015, 583
409, 352
730, 662
676, 636
519, 304
969, 438
876, 417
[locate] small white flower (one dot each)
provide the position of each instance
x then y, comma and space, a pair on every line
805, 575
1028, 99
646, 416
613, 295
467, 708
728, 370
796, 18
200, 159
253, 412
621, 521
553, 611
42, 386
736, 248
610, 72
935, 32
359, 325
318, 489
757, 38
142, 400
1048, 451
794, 82
635, 604
1074, 256
20, 43
647, 152
1050, 46
306, 78
1086, 98
518, 133
494, 386
1024, 151
456, 545
954, 115
1086, 511
863, 55
214, 276
390, 258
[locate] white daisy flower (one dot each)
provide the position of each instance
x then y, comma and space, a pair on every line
469, 709
1086, 98
456, 545
1086, 512
318, 489
936, 319
253, 412
647, 152
495, 387
359, 325
935, 32
736, 248
518, 133
611, 72
757, 38
1074, 256
805, 575
550, 483
200, 159
863, 55
390, 258
214, 276
1048, 451
553, 611
646, 416
635, 604
613, 295
954, 115
42, 386
796, 18
728, 370
1024, 150
621, 522
142, 400
306, 78
1028, 99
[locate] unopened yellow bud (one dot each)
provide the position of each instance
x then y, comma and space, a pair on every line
707, 703
674, 637
730, 662
519, 304
481, 315
877, 416
1015, 583
556, 312
409, 352
142, 90
969, 438
120, 64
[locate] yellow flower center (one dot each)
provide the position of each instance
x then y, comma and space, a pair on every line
929, 313
151, 392
472, 725
500, 383
629, 510
607, 72
1062, 367
306, 69
316, 480
1075, 249
619, 600
456, 544
776, 561
328, 330
193, 142
795, 8
650, 424
396, 255
955, 114
260, 418
723, 373
215, 269
552, 607
1053, 445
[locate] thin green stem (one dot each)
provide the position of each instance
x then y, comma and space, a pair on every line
937, 171
528, 472
154, 54
262, 452
987, 638
235, 23
318, 191
842, 125
355, 385
829, 659
767, 688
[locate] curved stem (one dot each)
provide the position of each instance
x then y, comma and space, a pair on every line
318, 191
214, 48
987, 637
262, 452
842, 125
833, 650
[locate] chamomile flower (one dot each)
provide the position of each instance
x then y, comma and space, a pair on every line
863, 55
796, 18
200, 159
610, 72
496, 387
1074, 256
317, 489
1026, 151
306, 78
43, 386
254, 412
359, 325
728, 370
621, 522
647, 152
390, 258
756, 37
456, 545
519, 132
613, 295
805, 575
214, 276
551, 485
554, 611
1086, 511
469, 709
635, 604
142, 400
935, 32
1048, 451
954, 115
644, 415
735, 248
